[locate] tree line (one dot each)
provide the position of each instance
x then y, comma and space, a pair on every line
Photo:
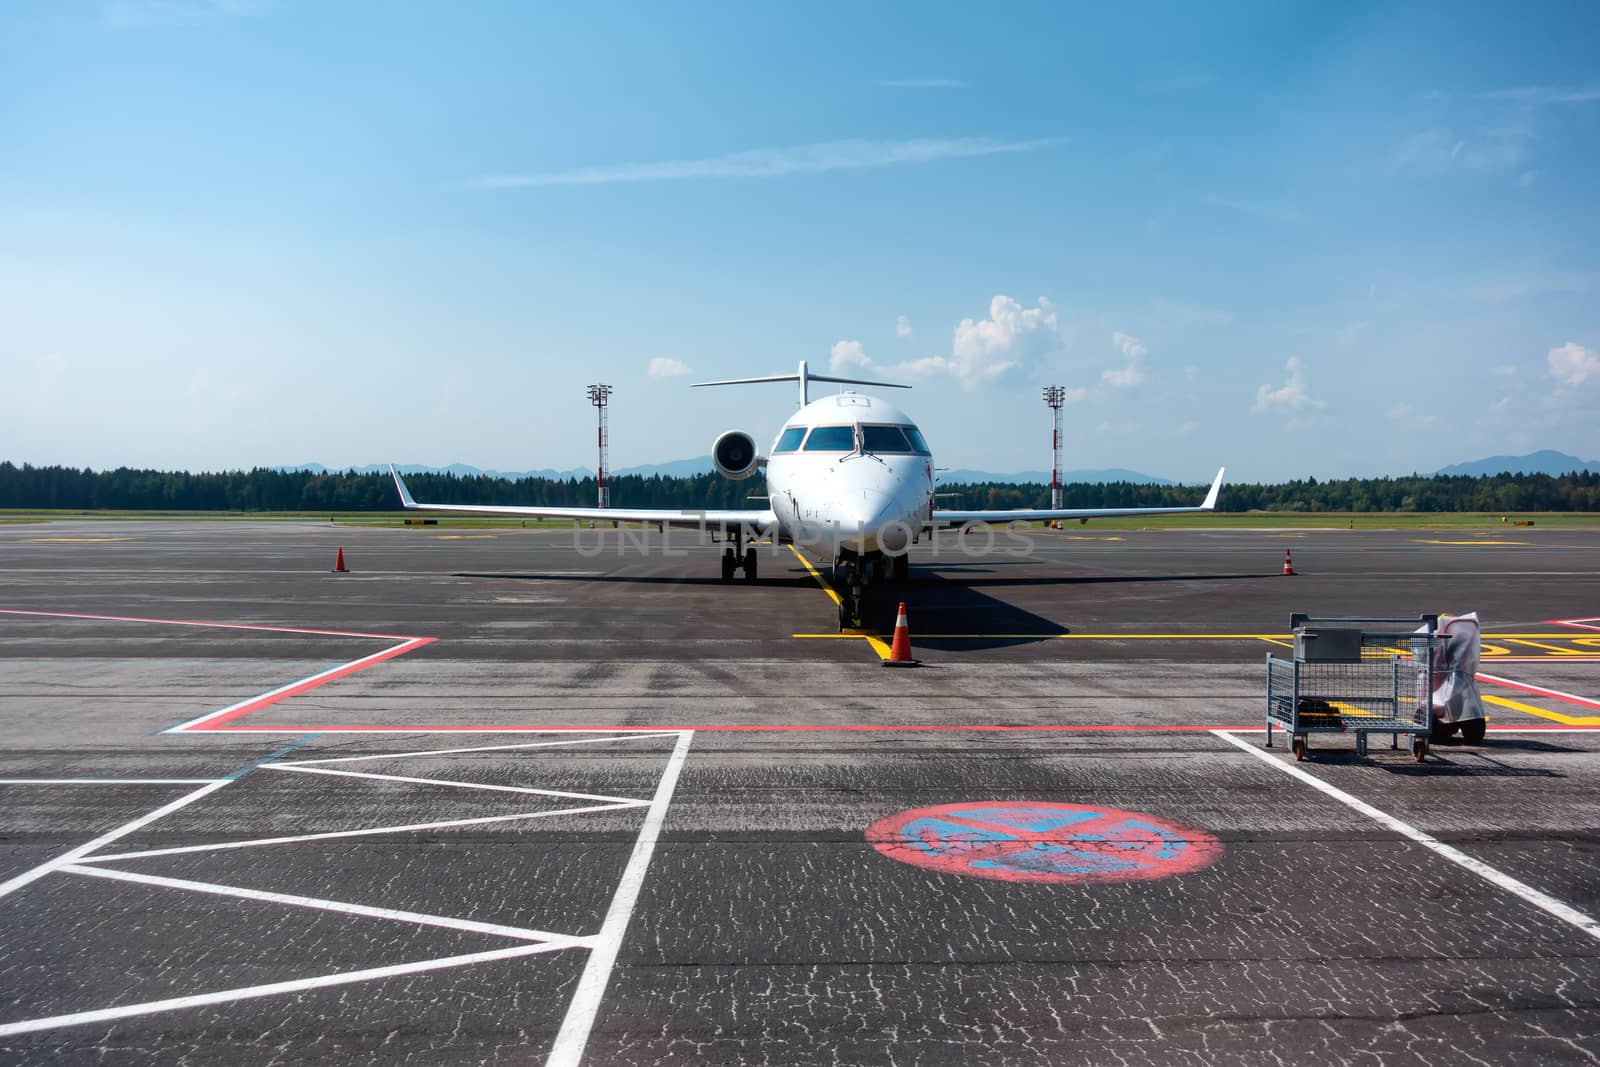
264, 489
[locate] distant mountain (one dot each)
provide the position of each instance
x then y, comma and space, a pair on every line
1090, 477
1544, 461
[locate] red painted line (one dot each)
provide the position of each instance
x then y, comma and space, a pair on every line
1582, 624
1538, 690
218, 625
305, 685
753, 728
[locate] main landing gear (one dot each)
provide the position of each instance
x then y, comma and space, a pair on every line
732, 561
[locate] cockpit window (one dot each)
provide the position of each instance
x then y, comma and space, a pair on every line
883, 439
831, 439
789, 440
914, 435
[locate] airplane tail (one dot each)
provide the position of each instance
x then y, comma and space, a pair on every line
804, 377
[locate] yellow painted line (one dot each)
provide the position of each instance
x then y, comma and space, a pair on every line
74, 540
1557, 650
1419, 541
826, 588
879, 645
465, 537
876, 643
1553, 716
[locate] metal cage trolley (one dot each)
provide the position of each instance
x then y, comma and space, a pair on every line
1360, 676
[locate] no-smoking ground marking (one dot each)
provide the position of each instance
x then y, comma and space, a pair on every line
1039, 841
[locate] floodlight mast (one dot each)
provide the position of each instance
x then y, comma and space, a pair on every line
1055, 396
600, 397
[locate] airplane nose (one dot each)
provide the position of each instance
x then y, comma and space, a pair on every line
876, 523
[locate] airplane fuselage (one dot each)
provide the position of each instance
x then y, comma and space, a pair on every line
853, 474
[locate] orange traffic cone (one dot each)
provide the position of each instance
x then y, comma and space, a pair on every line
900, 651
338, 563
1288, 562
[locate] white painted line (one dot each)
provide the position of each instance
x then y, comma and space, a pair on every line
574, 1035
1540, 690
479, 748
227, 996
420, 918
339, 669
447, 824
1492, 875
458, 785
82, 852
110, 781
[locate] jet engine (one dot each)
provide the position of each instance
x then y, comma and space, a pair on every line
734, 455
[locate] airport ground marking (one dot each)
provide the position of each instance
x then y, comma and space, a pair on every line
110, 781
484, 786
609, 737
1527, 893
341, 907
1540, 691
84, 851
1553, 716
368, 831
1582, 624
228, 996
573, 1036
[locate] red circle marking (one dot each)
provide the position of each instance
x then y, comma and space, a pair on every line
1038, 841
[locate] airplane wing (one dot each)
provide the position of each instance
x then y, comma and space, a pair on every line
958, 518
679, 518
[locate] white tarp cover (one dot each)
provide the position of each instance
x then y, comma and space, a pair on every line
1455, 666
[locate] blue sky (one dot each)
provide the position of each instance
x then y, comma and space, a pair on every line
1343, 239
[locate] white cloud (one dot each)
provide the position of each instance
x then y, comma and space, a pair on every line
771, 162
1573, 364
1010, 337
1292, 394
1504, 370
1400, 411
920, 83
1347, 335
1133, 373
1188, 428
848, 356
902, 327
665, 367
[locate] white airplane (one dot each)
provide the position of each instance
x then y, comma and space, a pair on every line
848, 471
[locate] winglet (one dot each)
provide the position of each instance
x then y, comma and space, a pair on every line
1209, 505
411, 505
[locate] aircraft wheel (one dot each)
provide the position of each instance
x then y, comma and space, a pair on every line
1472, 731
727, 567
1441, 731
749, 564
845, 621
902, 569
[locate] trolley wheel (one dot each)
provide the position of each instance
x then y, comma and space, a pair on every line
1299, 746
1419, 748
1472, 731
